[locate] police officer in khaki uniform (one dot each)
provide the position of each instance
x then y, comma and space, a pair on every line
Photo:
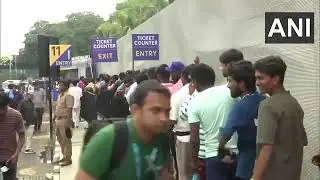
64, 123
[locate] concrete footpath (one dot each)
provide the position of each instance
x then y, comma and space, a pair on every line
69, 172
30, 166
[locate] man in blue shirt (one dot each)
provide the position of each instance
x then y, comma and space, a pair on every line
242, 118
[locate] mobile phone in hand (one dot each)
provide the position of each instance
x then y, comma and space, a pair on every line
69, 133
4, 169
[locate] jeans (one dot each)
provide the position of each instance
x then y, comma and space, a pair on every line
216, 169
39, 114
246, 161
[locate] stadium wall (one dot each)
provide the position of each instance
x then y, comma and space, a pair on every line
207, 27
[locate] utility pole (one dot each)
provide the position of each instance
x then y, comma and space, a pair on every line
15, 64
10, 69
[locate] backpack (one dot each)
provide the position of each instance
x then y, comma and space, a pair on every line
121, 138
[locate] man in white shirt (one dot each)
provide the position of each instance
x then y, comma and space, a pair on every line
138, 79
210, 108
39, 100
76, 92
179, 101
132, 88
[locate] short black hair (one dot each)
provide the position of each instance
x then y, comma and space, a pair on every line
163, 71
11, 86
115, 77
74, 82
129, 72
243, 71
203, 74
146, 87
128, 79
4, 99
164, 65
272, 66
66, 83
141, 77
122, 75
136, 72
151, 72
186, 72
107, 78
101, 76
231, 55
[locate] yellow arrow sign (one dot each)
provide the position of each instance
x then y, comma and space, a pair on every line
57, 51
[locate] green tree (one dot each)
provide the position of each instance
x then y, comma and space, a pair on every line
77, 31
129, 15
80, 28
30, 42
4, 60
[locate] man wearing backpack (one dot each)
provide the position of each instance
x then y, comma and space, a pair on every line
11, 91
15, 96
136, 149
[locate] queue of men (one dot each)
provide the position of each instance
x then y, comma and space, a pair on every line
249, 128
179, 124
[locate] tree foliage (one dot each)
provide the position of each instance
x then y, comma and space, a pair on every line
77, 30
129, 15
4, 59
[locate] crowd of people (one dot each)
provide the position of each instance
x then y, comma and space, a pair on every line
21, 113
250, 127
175, 123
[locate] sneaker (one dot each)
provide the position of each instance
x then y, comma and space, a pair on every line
29, 151
59, 161
65, 163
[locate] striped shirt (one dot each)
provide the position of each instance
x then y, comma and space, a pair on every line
10, 125
183, 115
177, 102
202, 151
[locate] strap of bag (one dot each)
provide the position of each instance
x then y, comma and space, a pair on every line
120, 144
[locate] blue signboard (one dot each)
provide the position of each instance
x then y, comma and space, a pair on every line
145, 47
104, 49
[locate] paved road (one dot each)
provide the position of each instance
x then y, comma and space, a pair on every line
29, 164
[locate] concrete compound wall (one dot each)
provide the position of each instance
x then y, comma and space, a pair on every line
207, 27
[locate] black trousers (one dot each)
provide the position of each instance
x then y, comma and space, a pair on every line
11, 174
39, 114
172, 146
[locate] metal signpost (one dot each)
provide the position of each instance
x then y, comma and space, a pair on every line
59, 55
